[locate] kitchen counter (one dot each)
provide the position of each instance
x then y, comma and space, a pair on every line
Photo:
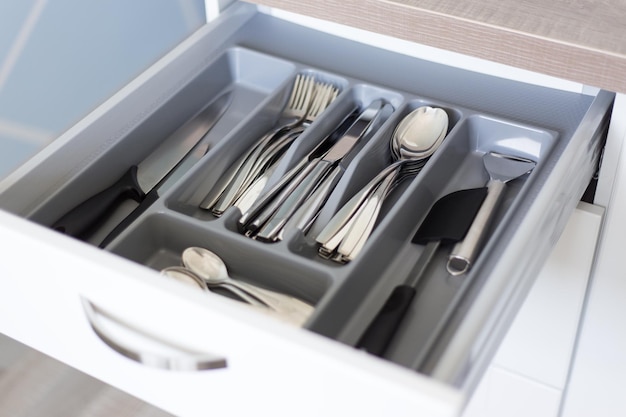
580, 41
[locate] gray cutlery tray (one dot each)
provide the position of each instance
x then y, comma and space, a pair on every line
258, 60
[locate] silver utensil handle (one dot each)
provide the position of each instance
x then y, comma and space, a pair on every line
234, 186
230, 185
357, 236
338, 222
464, 252
304, 217
267, 205
360, 230
214, 195
279, 306
267, 197
245, 295
288, 308
291, 199
269, 159
251, 194
251, 294
186, 360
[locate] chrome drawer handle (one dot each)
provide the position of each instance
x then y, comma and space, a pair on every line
182, 360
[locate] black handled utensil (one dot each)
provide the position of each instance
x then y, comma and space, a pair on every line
447, 222
140, 179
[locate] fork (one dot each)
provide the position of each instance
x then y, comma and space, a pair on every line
308, 99
324, 94
295, 110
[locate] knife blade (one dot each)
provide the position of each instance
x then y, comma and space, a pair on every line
140, 179
268, 225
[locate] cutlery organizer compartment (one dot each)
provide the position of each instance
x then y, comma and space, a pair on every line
457, 165
190, 193
257, 57
376, 155
99, 158
159, 239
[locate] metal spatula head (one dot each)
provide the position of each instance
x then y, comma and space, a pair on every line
503, 167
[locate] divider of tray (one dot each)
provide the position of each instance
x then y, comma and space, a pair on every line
292, 266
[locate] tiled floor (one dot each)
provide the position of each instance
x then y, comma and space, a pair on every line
35, 385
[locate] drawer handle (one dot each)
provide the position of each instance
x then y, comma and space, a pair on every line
175, 359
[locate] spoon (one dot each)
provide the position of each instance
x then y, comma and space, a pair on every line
414, 140
210, 267
187, 276
182, 274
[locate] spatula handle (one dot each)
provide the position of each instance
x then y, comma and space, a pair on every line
381, 330
464, 252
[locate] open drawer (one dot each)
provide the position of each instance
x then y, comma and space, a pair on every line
452, 327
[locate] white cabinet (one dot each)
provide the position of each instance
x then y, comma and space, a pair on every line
269, 365
276, 367
599, 366
529, 374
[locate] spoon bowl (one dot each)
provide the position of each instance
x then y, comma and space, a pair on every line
419, 134
212, 269
206, 264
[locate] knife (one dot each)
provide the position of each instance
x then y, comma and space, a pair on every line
268, 227
137, 182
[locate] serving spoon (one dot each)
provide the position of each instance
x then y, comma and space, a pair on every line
414, 140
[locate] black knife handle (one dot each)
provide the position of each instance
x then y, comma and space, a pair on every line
382, 329
150, 198
83, 218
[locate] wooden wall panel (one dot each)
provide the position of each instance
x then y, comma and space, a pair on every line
582, 41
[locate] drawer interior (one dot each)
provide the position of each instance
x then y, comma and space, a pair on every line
257, 58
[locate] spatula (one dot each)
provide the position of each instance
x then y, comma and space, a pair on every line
447, 222
501, 168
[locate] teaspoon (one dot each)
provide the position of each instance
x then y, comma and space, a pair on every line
212, 269
186, 276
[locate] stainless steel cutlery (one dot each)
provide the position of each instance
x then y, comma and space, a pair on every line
205, 270
414, 140
306, 187
142, 179
308, 99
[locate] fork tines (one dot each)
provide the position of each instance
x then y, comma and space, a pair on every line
324, 94
303, 88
